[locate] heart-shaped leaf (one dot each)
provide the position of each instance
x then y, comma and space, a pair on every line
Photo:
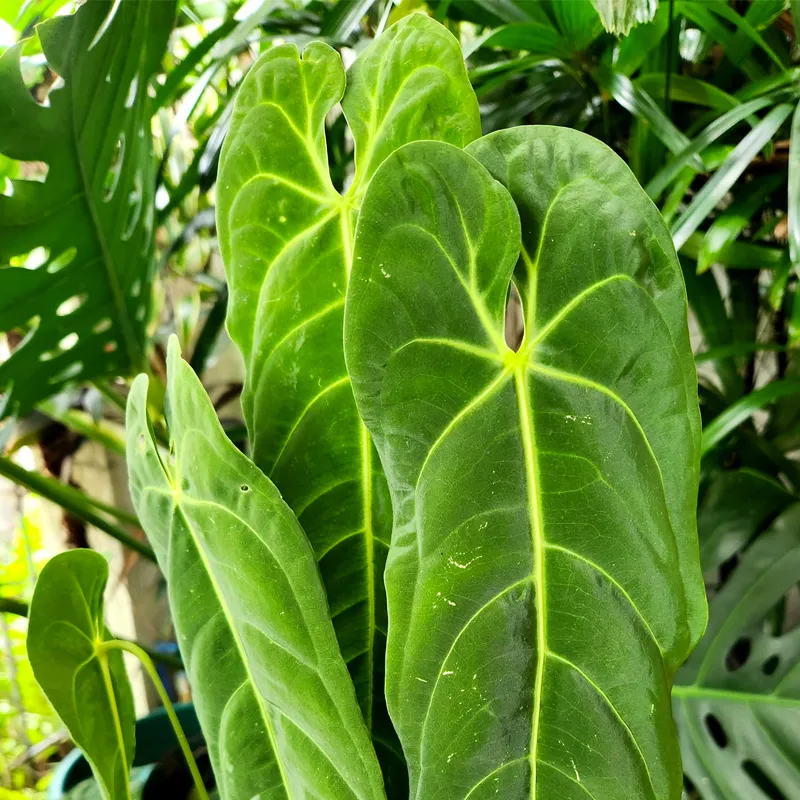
543, 581
88, 689
286, 238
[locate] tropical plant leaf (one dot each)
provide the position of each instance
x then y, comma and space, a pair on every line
543, 581
286, 239
88, 689
730, 223
737, 700
90, 223
272, 692
744, 408
737, 505
619, 16
793, 211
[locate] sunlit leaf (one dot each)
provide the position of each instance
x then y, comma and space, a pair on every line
89, 690
272, 692
619, 16
86, 303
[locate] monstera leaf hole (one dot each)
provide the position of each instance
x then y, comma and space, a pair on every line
515, 319
762, 780
716, 731
738, 654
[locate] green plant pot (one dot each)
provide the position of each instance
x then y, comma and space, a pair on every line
155, 740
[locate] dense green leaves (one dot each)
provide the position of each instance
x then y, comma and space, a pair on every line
286, 239
88, 688
737, 700
84, 301
272, 691
543, 582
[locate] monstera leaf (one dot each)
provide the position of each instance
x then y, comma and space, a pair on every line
88, 687
737, 700
90, 223
272, 691
286, 237
543, 582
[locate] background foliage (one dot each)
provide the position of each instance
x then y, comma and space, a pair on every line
698, 97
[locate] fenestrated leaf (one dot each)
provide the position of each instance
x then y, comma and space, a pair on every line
271, 689
737, 700
286, 239
89, 691
86, 305
543, 580
619, 16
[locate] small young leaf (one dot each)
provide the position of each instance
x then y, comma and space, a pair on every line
543, 581
271, 689
89, 691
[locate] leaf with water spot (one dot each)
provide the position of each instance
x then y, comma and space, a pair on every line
543, 581
272, 691
86, 231
286, 239
90, 692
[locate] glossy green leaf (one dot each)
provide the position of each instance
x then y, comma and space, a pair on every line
89, 690
543, 581
272, 691
90, 223
578, 22
717, 128
643, 107
286, 239
531, 36
793, 212
619, 16
743, 409
725, 229
685, 89
726, 176
736, 506
737, 700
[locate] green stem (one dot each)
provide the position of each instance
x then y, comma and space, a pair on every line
147, 663
110, 436
76, 503
12, 605
110, 395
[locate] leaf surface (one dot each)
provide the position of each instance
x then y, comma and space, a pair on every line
286, 240
272, 692
90, 223
737, 700
543, 580
90, 693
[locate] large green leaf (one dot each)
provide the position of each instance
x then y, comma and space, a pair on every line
90, 222
286, 239
88, 689
543, 580
272, 691
737, 700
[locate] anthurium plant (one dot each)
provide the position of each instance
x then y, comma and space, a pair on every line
449, 568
